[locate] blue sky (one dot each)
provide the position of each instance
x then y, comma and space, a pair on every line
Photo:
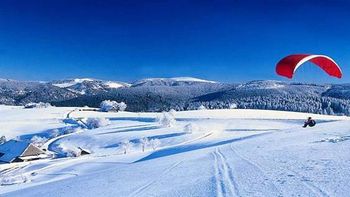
229, 41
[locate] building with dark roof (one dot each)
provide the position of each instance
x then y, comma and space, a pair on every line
19, 151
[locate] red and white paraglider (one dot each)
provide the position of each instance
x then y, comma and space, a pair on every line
288, 65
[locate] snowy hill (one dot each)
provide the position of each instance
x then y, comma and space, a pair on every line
71, 82
182, 93
176, 81
341, 91
225, 153
149, 97
88, 86
274, 95
22, 92
14, 92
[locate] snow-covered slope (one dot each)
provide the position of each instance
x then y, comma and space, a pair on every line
182, 93
17, 121
88, 86
176, 81
230, 153
114, 85
22, 92
70, 82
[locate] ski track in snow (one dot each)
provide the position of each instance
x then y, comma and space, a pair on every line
149, 184
225, 182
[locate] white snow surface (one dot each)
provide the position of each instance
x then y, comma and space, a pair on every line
69, 83
72, 82
232, 153
112, 84
191, 79
179, 79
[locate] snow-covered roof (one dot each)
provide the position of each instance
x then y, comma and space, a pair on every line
12, 149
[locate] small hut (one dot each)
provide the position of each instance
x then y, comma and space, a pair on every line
19, 151
84, 151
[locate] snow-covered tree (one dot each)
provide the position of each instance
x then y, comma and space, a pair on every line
167, 119
122, 106
191, 128
202, 107
68, 149
38, 141
108, 105
172, 111
2, 139
289, 102
93, 123
144, 143
154, 143
73, 152
37, 105
233, 106
125, 145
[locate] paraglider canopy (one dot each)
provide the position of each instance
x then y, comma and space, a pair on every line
288, 65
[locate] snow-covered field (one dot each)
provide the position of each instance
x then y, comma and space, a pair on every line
221, 153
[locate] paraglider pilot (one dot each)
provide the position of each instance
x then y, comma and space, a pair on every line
309, 122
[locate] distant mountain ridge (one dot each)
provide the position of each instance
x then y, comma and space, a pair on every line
13, 92
182, 93
176, 81
88, 86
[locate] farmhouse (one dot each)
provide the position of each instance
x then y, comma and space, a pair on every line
19, 151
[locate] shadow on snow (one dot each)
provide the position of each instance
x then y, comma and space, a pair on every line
186, 148
131, 129
136, 141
